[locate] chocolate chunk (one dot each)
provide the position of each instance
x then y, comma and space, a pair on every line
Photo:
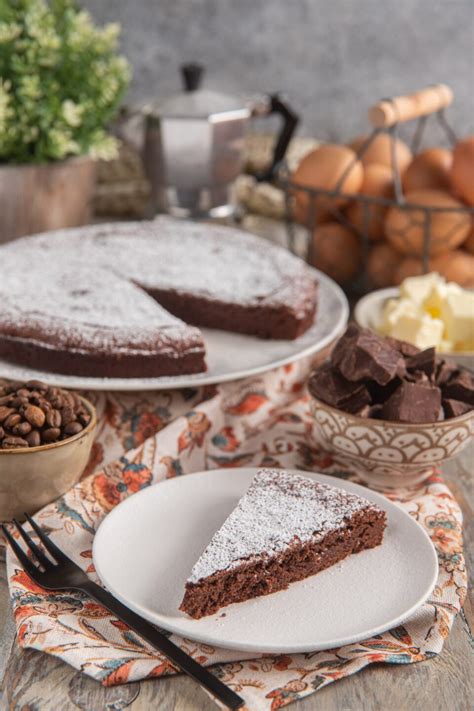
332, 388
406, 349
424, 361
380, 393
454, 408
445, 369
460, 387
413, 403
362, 355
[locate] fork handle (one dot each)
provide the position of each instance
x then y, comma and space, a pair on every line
158, 640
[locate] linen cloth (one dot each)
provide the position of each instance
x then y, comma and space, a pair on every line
144, 438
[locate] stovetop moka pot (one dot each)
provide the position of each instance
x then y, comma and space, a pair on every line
194, 146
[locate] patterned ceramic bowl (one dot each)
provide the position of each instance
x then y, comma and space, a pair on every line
32, 477
389, 455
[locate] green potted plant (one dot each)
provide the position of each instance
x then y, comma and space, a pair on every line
61, 82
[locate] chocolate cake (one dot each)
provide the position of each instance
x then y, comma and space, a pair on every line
285, 528
117, 300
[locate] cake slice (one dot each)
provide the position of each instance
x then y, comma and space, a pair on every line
285, 528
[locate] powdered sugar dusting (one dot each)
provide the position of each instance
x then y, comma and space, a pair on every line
62, 305
277, 508
74, 286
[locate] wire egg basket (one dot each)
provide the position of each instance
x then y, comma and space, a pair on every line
386, 117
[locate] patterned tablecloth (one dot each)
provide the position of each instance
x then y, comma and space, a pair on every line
144, 438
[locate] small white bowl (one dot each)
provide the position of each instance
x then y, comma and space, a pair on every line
32, 477
368, 314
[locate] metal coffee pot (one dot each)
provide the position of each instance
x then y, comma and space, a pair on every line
193, 146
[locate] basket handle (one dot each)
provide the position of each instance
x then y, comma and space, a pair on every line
405, 108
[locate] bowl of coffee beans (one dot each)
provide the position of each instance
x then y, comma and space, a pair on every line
46, 435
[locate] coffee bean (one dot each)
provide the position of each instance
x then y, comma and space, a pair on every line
84, 418
57, 401
22, 429
73, 428
36, 385
53, 418
33, 439
12, 420
34, 415
13, 387
14, 443
5, 412
51, 434
67, 415
18, 401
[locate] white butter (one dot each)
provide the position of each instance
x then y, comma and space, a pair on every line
394, 310
458, 315
418, 288
422, 330
433, 304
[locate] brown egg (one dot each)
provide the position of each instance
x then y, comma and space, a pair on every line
323, 168
462, 174
380, 151
404, 228
336, 251
378, 182
468, 245
382, 264
457, 266
429, 169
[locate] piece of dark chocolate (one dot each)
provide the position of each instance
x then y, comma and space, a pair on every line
381, 393
406, 349
454, 408
413, 403
460, 387
424, 361
331, 387
362, 355
418, 376
445, 369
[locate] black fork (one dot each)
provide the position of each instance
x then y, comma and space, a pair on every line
56, 571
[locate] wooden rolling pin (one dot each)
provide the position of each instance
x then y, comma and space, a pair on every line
405, 108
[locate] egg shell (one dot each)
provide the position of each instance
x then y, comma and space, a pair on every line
378, 182
380, 151
336, 251
457, 266
382, 264
462, 173
404, 228
322, 169
429, 169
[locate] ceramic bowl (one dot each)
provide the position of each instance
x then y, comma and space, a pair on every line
32, 477
389, 455
368, 314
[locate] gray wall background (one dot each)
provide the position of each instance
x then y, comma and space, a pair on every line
332, 58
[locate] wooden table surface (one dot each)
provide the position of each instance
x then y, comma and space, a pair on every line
32, 681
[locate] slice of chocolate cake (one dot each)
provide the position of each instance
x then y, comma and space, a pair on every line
285, 528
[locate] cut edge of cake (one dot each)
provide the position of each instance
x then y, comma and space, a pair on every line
285, 528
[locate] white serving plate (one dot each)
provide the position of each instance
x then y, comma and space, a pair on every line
368, 314
145, 548
230, 356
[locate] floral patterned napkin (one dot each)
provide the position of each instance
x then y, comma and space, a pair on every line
144, 438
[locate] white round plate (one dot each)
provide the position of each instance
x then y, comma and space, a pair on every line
145, 548
230, 356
